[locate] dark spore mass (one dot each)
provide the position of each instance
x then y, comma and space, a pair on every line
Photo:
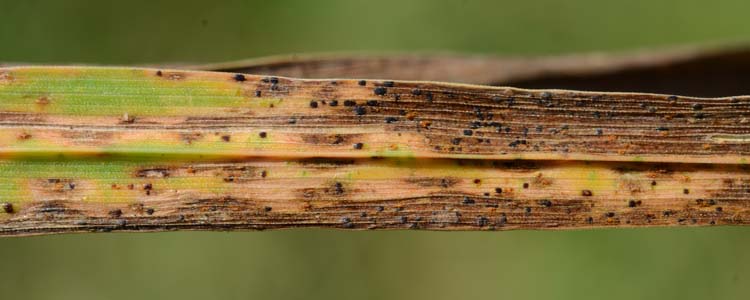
372, 102
115, 213
262, 134
360, 110
390, 119
257, 93
662, 128
350, 103
380, 91
388, 83
546, 95
499, 190
468, 132
467, 200
7, 207
456, 141
587, 193
334, 103
338, 188
697, 106
416, 92
358, 146
158, 73
239, 77
545, 203
313, 104
274, 80
362, 82
346, 222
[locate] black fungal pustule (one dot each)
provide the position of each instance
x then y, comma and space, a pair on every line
313, 104
587, 193
7, 207
467, 200
349, 103
362, 82
338, 188
499, 190
380, 91
262, 134
239, 77
346, 222
115, 213
388, 83
357, 146
333, 103
468, 132
360, 110
390, 119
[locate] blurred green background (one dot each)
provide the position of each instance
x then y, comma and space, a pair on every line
657, 263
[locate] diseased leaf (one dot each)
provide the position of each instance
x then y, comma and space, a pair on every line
100, 149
